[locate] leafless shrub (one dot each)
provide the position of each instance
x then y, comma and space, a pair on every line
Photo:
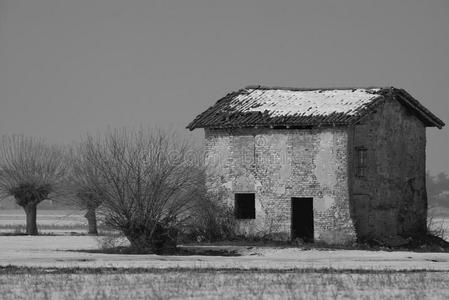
213, 219
148, 182
272, 229
31, 171
436, 228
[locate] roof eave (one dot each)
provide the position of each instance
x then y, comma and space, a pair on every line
431, 119
287, 125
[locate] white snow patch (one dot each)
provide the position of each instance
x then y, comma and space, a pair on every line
304, 103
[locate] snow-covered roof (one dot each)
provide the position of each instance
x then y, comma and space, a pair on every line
276, 106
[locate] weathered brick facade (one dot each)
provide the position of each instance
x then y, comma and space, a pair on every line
357, 154
278, 164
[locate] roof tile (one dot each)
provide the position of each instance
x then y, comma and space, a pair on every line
264, 106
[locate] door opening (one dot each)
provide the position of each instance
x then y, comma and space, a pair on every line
302, 219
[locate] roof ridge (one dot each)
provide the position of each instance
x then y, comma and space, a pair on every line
263, 87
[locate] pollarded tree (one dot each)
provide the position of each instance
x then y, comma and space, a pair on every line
148, 180
31, 171
90, 202
82, 193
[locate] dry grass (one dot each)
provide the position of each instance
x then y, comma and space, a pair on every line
221, 284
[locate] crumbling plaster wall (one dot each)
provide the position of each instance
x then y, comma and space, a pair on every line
277, 164
391, 199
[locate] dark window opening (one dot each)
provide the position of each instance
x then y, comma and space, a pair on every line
361, 161
245, 207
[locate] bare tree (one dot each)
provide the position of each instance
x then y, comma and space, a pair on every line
30, 171
148, 180
91, 202
83, 194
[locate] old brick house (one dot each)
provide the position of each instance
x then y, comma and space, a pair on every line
328, 165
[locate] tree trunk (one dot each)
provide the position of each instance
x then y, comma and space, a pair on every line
91, 220
30, 211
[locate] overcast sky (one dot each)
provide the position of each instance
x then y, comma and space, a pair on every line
68, 67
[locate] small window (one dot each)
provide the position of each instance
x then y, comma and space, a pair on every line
245, 206
361, 161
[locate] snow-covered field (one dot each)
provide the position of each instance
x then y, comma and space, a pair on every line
60, 251
281, 272
48, 220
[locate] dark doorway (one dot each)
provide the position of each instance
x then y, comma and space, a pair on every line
302, 219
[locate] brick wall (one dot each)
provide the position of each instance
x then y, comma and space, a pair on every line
278, 164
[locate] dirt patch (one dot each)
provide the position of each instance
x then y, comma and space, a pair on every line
181, 251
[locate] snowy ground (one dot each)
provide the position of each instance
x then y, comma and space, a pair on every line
291, 273
58, 251
48, 220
